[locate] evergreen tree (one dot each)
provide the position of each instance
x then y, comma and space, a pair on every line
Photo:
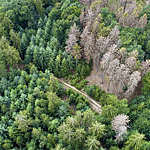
9, 55
135, 141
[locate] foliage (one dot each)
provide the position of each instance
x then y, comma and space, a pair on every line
44, 39
135, 141
30, 106
94, 91
82, 127
9, 55
139, 114
146, 84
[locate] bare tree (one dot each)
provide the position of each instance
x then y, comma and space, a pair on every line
131, 63
119, 70
120, 125
72, 42
135, 78
145, 67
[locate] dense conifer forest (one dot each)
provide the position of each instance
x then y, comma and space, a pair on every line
101, 48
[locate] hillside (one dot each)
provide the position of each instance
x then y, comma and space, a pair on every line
74, 74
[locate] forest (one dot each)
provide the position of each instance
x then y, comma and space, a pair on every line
99, 47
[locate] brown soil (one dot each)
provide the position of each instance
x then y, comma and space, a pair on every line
95, 78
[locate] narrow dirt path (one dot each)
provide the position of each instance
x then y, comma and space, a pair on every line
94, 105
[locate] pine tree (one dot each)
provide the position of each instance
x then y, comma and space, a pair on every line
14, 37
64, 68
135, 141
39, 6
92, 143
39, 36
30, 51
23, 45
47, 30
9, 55
57, 66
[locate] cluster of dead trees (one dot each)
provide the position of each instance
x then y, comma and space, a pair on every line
120, 71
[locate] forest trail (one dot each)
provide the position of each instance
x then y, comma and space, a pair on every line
94, 105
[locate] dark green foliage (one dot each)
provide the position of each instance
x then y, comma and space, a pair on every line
79, 101
46, 47
146, 84
15, 9
94, 91
36, 111
146, 11
37, 36
136, 39
113, 107
83, 127
139, 114
30, 106
9, 56
133, 39
108, 18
